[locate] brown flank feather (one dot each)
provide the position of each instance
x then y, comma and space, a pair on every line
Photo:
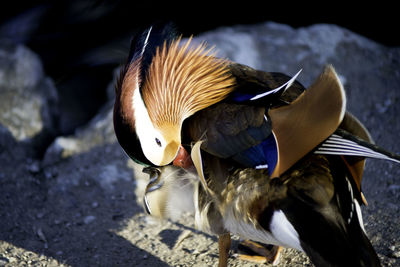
183, 80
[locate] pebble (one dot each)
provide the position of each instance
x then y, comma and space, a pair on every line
41, 235
3, 261
89, 219
33, 167
12, 259
396, 254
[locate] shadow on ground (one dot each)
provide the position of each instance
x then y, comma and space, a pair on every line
75, 225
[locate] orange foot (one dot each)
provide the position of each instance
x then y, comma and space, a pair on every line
258, 252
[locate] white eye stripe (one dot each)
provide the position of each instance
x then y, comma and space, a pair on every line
145, 130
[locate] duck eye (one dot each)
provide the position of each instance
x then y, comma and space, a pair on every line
158, 142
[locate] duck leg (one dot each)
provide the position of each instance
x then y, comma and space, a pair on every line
224, 244
263, 253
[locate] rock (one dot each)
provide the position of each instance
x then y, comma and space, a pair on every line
94, 146
28, 98
365, 67
10, 150
97, 132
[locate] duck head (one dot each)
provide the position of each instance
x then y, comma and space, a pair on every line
164, 82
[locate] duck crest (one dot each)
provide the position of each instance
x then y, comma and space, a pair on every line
183, 79
142, 50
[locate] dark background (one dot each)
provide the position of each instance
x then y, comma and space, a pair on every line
81, 41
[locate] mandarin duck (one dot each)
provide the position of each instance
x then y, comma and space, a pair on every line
247, 124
